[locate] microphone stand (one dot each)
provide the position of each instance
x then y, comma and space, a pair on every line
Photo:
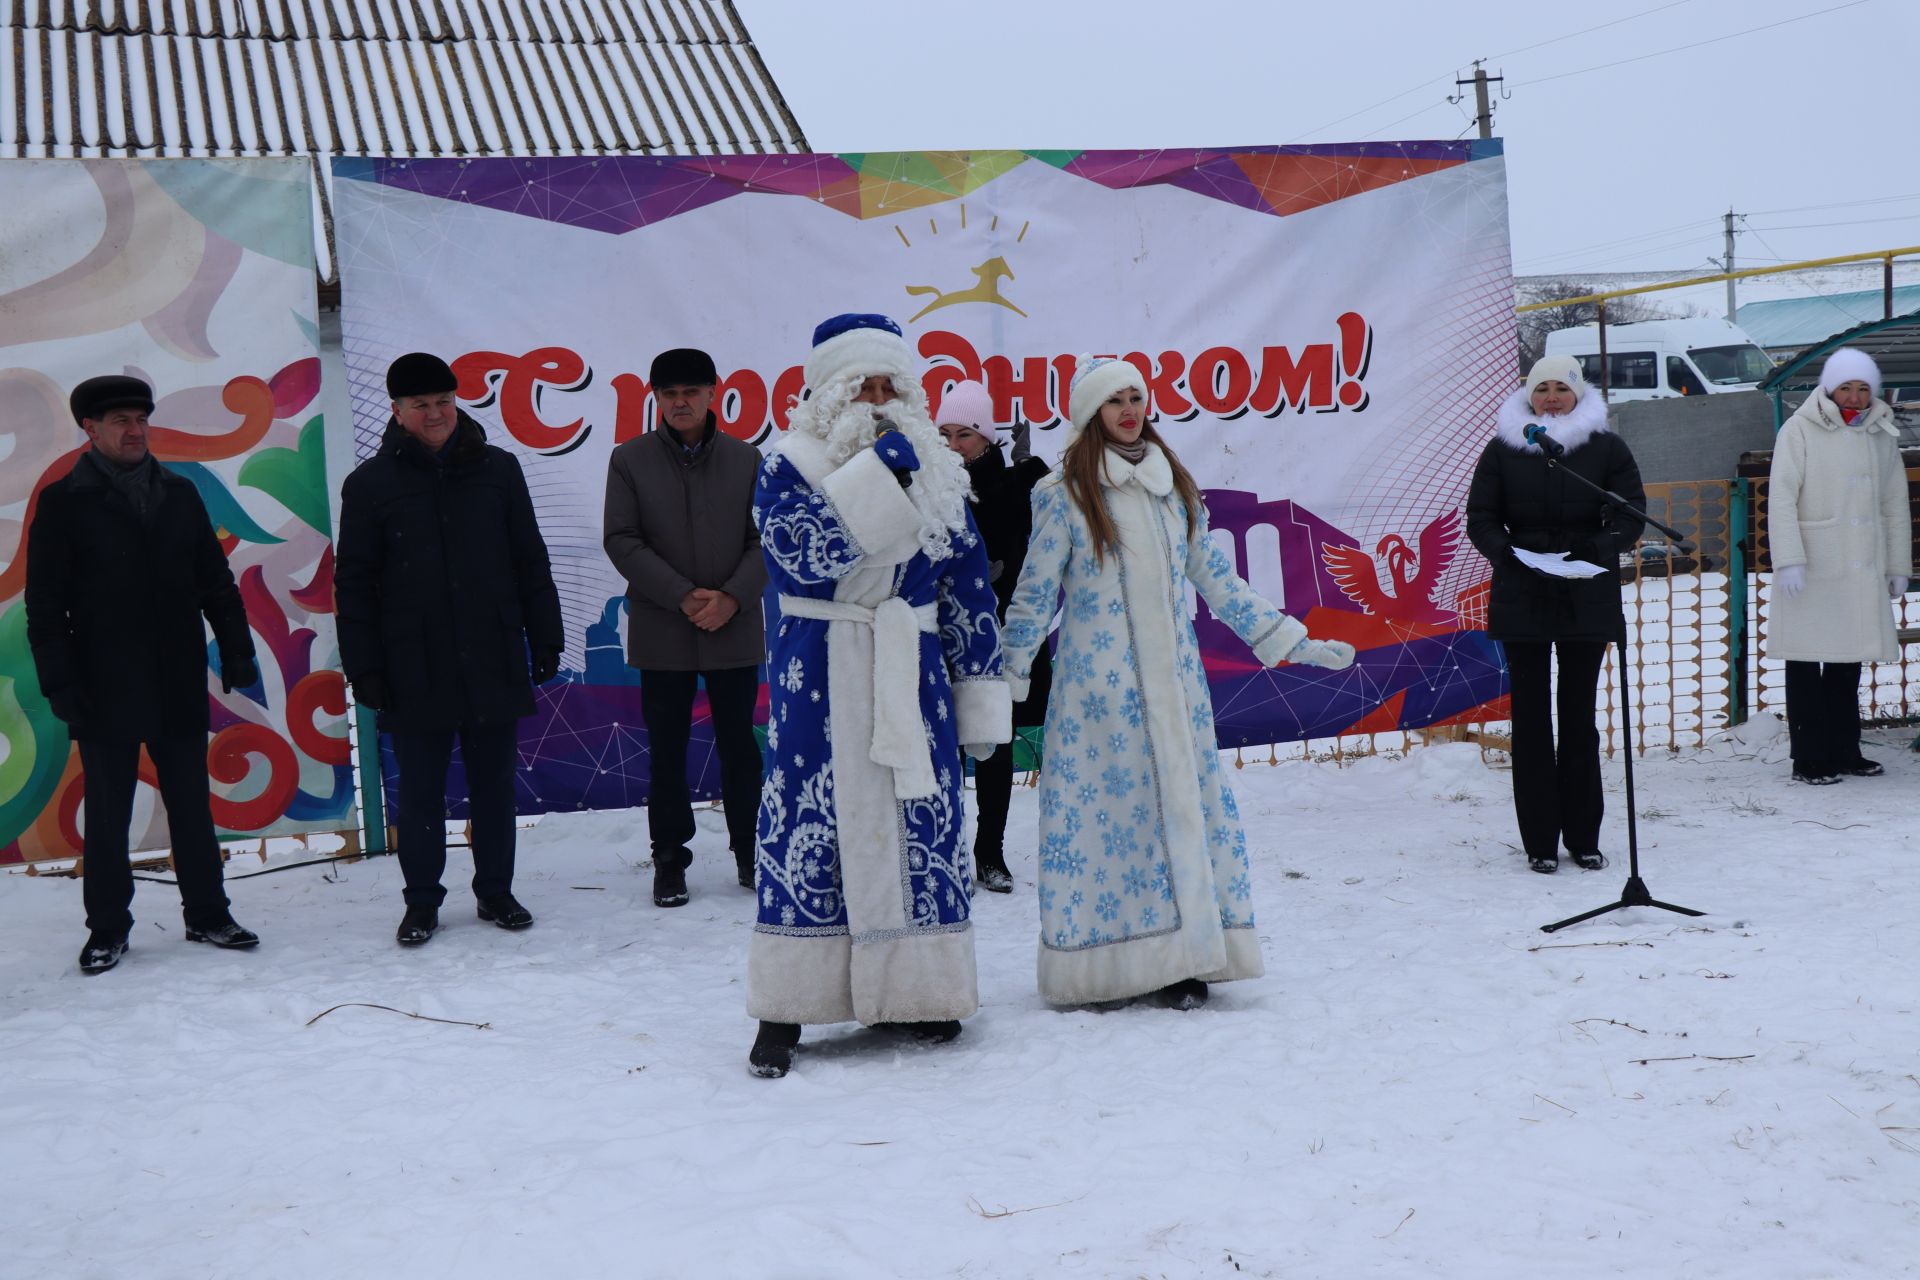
1635, 894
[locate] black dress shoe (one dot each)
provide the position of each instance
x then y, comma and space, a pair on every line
772, 1052
1188, 993
743, 869
417, 926
102, 952
1546, 864
225, 934
1589, 859
1815, 779
670, 879
505, 910
1863, 768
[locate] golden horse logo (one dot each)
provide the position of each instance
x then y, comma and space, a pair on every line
986, 289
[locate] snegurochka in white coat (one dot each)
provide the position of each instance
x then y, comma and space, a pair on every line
1144, 883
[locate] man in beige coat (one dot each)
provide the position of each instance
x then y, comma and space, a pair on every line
1840, 533
679, 528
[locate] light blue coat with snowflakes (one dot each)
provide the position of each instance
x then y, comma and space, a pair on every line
1143, 862
884, 665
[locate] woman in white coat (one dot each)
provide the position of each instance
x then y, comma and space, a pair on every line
1841, 535
1144, 885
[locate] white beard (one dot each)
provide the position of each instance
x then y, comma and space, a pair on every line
940, 487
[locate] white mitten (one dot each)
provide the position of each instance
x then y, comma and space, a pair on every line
1896, 586
1790, 581
979, 750
1331, 654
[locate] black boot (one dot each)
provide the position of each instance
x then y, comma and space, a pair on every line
1863, 768
1589, 860
225, 934
743, 868
990, 870
417, 926
670, 877
102, 952
1545, 863
931, 1032
1188, 993
505, 910
772, 1052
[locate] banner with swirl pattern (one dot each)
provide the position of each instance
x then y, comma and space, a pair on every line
196, 275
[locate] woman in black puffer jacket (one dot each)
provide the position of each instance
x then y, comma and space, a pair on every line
1518, 502
1003, 509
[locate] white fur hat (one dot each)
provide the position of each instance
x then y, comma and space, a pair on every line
1849, 364
857, 344
1557, 369
1095, 380
969, 404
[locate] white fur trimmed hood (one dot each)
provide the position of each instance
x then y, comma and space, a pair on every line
1587, 419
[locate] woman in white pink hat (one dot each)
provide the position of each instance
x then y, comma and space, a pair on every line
1003, 510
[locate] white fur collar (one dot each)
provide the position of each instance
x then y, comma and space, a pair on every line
1153, 472
1587, 419
1819, 410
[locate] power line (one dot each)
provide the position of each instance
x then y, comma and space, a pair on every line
1698, 44
1850, 222
1838, 204
1625, 240
1427, 84
1672, 4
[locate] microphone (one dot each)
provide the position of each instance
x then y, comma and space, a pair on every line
1537, 434
886, 424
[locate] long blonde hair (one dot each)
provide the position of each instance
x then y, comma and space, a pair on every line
1082, 466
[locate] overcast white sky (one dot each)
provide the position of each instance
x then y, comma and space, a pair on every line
1626, 167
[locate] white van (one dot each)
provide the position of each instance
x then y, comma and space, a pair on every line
1659, 358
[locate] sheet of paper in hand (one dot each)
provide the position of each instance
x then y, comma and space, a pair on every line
1556, 564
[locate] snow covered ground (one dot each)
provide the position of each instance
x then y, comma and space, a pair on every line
1423, 1085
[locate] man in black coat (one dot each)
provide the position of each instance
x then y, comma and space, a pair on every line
442, 587
122, 565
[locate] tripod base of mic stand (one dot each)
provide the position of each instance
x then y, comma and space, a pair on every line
1634, 895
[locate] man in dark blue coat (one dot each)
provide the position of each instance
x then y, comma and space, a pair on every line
122, 565
443, 589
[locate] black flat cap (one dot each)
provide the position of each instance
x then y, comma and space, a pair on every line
683, 367
419, 374
97, 397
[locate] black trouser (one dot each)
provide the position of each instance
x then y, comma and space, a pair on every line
489, 752
993, 794
112, 769
666, 703
1556, 792
1823, 716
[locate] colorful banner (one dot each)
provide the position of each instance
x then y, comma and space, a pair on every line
198, 276
1326, 331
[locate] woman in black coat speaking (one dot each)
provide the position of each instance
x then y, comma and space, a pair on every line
1518, 502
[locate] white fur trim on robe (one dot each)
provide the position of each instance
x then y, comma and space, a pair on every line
983, 711
876, 510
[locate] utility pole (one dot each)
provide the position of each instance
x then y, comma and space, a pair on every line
1480, 81
1727, 266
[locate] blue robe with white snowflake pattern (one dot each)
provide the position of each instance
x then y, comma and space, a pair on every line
1143, 863
863, 885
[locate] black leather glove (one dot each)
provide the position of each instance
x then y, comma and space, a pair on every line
371, 691
546, 663
70, 705
241, 673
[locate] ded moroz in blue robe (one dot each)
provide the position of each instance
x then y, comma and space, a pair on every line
862, 882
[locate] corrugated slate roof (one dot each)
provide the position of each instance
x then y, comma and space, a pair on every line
1800, 322
384, 77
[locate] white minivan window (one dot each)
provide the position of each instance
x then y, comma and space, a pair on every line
1723, 366
1627, 370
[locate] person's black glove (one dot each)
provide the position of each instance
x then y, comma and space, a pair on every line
241, 673
70, 705
546, 663
371, 691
